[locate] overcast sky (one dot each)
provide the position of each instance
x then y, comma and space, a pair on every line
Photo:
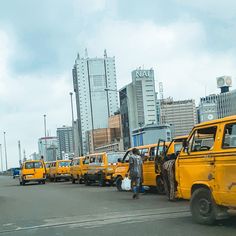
187, 42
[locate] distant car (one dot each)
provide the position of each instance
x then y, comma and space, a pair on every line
15, 172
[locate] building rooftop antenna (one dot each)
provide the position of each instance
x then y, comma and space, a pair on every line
105, 53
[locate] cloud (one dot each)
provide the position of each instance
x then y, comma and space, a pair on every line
91, 6
25, 98
217, 9
37, 55
177, 51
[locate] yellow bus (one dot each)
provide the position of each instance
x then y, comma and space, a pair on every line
206, 170
59, 170
102, 167
78, 167
150, 177
32, 171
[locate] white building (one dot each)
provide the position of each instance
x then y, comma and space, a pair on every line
91, 76
138, 103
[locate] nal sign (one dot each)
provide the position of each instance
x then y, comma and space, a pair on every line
142, 73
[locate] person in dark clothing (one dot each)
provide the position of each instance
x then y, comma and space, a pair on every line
136, 172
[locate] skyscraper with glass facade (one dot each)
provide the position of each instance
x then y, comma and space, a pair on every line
91, 76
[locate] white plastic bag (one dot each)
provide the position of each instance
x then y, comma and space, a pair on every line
126, 184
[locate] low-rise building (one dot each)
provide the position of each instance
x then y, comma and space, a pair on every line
150, 134
106, 139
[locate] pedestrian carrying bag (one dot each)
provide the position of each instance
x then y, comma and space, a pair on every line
126, 184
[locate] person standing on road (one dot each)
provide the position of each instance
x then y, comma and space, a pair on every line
136, 172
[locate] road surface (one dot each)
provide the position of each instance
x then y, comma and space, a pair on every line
71, 209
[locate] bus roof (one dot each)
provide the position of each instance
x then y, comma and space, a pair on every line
148, 146
212, 122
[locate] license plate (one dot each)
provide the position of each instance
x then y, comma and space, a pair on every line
29, 176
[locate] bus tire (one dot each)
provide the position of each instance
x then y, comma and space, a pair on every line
80, 180
86, 181
119, 183
203, 207
101, 181
160, 186
72, 180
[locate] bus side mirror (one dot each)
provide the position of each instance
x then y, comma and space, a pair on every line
119, 160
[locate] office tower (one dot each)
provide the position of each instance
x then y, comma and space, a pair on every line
95, 87
65, 142
138, 103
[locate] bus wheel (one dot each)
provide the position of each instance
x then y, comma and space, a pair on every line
160, 186
203, 207
80, 180
86, 181
72, 180
43, 181
55, 179
101, 181
119, 183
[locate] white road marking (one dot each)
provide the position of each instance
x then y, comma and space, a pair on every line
8, 224
93, 221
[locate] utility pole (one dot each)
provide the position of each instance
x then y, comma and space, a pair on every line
24, 155
5, 147
1, 157
45, 137
19, 148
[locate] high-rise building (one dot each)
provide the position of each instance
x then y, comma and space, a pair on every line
138, 103
65, 142
180, 115
217, 106
48, 148
95, 87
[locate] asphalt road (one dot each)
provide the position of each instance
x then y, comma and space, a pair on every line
71, 209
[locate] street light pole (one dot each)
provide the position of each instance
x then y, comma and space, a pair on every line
72, 117
1, 157
19, 148
45, 136
5, 147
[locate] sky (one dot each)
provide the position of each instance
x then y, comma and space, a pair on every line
188, 43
